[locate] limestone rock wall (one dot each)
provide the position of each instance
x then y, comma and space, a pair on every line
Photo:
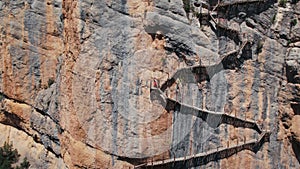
75, 80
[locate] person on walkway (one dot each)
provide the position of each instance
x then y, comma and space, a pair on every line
178, 83
155, 83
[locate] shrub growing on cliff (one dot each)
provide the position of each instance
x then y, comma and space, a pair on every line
1, 96
273, 18
293, 22
260, 45
186, 5
282, 3
24, 165
10, 156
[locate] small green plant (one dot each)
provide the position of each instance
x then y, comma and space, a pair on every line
282, 3
1, 96
293, 22
289, 42
273, 18
260, 45
196, 14
10, 156
186, 5
24, 165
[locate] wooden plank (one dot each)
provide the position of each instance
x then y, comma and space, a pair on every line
201, 155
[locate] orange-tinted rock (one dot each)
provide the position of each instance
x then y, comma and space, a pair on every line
76, 76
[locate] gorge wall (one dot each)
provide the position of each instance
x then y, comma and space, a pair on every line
76, 76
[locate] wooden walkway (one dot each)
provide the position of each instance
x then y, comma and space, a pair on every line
212, 155
215, 118
199, 73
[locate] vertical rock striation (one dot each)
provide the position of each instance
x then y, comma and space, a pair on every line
75, 79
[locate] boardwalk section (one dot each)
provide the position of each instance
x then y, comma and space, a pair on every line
206, 157
215, 118
199, 73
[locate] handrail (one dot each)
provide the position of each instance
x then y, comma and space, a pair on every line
171, 104
205, 157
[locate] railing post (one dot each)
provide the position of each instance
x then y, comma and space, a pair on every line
177, 91
174, 159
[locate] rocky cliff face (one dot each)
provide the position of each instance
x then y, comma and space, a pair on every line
76, 77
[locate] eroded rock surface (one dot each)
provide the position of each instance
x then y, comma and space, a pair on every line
76, 75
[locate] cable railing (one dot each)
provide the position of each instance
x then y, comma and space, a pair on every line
205, 157
223, 118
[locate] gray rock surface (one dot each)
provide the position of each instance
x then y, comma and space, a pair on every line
75, 80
